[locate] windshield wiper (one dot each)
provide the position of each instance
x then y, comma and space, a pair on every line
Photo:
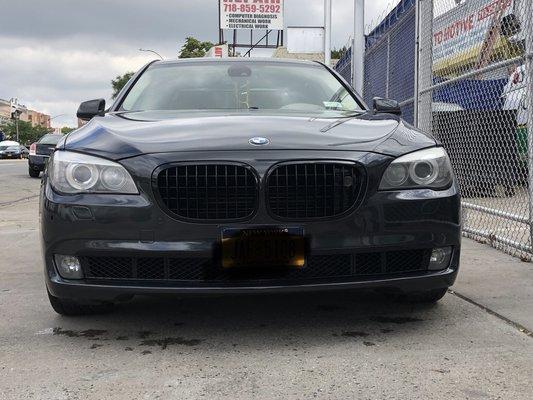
342, 120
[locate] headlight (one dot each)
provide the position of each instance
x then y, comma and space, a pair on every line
79, 173
429, 168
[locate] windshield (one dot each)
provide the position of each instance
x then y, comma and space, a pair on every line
4, 147
239, 86
13, 148
50, 139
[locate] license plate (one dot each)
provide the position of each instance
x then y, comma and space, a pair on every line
263, 247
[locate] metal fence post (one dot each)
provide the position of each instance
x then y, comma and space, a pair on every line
387, 77
352, 67
417, 62
327, 32
358, 48
425, 64
529, 74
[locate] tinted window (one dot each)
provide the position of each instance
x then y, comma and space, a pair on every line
239, 85
50, 139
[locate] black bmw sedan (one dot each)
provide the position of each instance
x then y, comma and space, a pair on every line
245, 176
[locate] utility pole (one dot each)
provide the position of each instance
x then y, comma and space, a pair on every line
327, 32
358, 46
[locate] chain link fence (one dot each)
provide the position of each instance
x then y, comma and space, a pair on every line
463, 70
390, 59
473, 94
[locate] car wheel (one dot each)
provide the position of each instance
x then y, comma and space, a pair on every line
71, 308
33, 173
427, 297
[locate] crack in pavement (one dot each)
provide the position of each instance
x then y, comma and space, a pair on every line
13, 202
516, 325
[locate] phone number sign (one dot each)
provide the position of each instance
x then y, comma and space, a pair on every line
251, 14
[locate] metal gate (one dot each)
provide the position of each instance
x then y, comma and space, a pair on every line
474, 82
463, 70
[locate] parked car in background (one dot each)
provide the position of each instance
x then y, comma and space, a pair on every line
40, 152
18, 151
4, 145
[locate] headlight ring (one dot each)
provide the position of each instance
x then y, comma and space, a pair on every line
424, 172
81, 176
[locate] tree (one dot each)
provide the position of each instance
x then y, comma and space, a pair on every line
193, 48
27, 133
337, 54
119, 82
67, 129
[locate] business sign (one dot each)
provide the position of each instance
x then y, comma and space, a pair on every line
306, 40
465, 27
251, 14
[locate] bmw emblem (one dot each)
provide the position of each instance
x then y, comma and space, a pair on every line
259, 141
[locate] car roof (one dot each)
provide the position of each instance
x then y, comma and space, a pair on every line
9, 143
246, 60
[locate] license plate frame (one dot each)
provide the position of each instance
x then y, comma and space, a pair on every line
263, 247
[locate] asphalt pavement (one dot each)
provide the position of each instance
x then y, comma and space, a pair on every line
475, 344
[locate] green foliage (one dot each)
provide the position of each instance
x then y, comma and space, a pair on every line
119, 82
193, 48
67, 129
338, 53
27, 133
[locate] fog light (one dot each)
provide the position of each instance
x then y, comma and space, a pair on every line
69, 267
440, 258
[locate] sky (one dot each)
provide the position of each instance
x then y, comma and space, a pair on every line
58, 53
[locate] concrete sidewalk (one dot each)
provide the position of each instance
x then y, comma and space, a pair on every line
498, 282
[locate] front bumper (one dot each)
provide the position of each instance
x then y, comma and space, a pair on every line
112, 293
135, 226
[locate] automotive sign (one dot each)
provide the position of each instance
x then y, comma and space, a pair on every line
251, 14
465, 27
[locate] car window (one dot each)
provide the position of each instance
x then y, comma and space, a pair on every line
50, 139
239, 85
13, 148
3, 147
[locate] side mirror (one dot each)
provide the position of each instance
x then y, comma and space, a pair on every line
388, 106
90, 109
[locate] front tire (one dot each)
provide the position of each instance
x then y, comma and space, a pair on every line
71, 308
427, 297
33, 173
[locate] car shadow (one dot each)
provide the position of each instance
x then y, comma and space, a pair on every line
230, 323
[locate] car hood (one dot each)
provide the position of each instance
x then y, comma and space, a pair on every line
123, 135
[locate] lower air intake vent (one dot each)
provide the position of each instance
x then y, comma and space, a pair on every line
205, 270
